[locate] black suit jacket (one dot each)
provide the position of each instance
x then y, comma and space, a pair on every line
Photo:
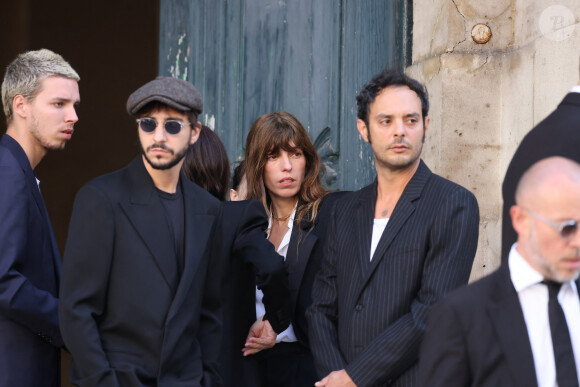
127, 316
253, 262
30, 339
303, 262
557, 135
477, 336
369, 317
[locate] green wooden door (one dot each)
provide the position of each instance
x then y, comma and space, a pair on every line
306, 57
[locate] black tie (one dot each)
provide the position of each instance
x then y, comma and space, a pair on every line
563, 353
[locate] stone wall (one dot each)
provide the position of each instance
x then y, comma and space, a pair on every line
486, 96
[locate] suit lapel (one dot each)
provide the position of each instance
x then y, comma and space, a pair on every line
198, 227
18, 153
403, 210
364, 215
33, 186
506, 315
301, 244
147, 215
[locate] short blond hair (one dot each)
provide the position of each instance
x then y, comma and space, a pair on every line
25, 74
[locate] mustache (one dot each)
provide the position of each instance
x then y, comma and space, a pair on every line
399, 140
160, 146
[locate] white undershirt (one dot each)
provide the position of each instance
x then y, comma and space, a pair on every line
288, 335
379, 225
533, 298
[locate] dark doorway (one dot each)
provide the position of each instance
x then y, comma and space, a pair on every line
113, 45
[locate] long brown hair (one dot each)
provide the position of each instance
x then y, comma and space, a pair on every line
206, 164
269, 134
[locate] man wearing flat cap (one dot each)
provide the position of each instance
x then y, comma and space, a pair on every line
141, 273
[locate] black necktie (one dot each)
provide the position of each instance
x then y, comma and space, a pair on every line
563, 353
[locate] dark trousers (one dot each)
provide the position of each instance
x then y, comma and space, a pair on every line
287, 365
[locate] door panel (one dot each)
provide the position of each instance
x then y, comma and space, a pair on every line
307, 57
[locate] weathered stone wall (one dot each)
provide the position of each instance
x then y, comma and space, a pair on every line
486, 97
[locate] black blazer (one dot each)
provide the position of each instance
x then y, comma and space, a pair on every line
253, 262
369, 317
557, 135
303, 262
30, 339
477, 336
127, 316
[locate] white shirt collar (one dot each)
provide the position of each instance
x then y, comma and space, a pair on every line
575, 89
523, 275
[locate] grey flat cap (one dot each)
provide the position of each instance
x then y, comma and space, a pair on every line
176, 93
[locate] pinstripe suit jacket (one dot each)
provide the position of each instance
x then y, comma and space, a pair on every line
368, 317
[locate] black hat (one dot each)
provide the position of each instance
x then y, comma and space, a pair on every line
176, 93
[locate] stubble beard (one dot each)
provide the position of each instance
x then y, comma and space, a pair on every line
40, 139
397, 163
547, 269
177, 157
402, 162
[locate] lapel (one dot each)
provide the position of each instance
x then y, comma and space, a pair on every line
302, 242
18, 153
147, 215
198, 229
403, 210
507, 318
364, 216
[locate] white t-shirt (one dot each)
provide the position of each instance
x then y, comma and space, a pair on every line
379, 225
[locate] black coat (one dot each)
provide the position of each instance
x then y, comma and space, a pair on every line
253, 262
127, 316
30, 339
557, 135
478, 337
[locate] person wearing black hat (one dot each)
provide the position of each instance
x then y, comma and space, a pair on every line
143, 261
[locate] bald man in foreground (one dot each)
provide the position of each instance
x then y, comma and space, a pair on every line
511, 328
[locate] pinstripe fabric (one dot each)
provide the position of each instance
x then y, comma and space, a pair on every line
369, 317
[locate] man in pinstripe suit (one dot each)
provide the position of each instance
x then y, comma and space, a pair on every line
394, 248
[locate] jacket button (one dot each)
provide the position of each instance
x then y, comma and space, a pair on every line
359, 307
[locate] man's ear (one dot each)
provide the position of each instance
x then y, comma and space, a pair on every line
20, 106
195, 132
520, 219
362, 129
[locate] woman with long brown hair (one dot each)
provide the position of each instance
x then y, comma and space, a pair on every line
282, 171
252, 260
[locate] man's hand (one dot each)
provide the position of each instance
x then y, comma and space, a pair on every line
336, 379
260, 337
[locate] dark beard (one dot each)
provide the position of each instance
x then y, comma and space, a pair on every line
168, 165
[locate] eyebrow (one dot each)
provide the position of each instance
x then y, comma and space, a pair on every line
382, 115
63, 99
